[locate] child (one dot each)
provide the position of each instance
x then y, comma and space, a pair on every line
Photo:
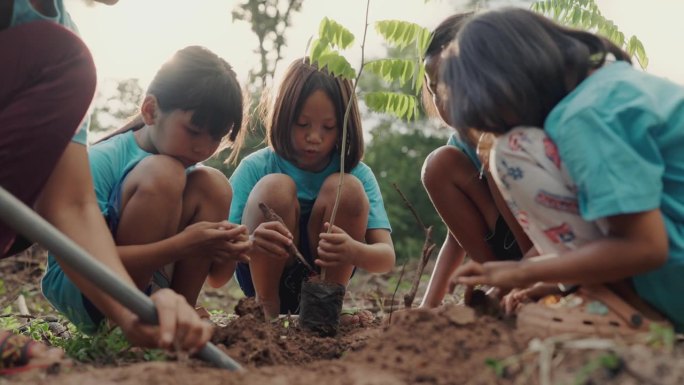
48, 80
167, 213
297, 176
588, 156
454, 178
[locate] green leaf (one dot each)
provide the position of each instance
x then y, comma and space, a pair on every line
392, 69
400, 105
585, 14
335, 33
401, 34
319, 47
336, 64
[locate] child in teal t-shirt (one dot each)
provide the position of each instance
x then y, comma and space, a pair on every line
588, 156
297, 176
167, 213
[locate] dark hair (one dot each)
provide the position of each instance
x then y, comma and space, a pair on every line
441, 36
511, 66
445, 32
196, 79
300, 81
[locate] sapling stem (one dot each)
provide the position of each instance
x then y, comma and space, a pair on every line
345, 122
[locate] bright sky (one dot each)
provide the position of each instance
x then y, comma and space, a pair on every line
133, 38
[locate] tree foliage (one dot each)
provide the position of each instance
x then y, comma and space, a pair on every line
333, 37
396, 157
269, 19
586, 15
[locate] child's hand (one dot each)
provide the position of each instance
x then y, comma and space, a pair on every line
336, 248
271, 239
179, 325
220, 241
503, 274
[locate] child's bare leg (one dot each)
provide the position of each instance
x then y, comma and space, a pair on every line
462, 199
352, 217
150, 210
279, 192
207, 197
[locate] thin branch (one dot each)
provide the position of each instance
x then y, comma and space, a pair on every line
291, 248
401, 275
428, 248
410, 207
343, 146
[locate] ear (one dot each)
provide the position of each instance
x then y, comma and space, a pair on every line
149, 110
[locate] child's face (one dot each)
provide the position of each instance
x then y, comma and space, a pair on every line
315, 132
432, 74
175, 135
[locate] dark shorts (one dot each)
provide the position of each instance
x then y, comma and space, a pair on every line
503, 243
291, 281
47, 80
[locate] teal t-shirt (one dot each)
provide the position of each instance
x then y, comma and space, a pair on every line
620, 134
110, 161
457, 141
265, 161
22, 13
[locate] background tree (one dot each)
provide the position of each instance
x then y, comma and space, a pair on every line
270, 20
121, 102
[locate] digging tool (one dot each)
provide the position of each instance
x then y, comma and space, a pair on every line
31, 225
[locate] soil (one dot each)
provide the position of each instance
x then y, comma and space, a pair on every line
452, 344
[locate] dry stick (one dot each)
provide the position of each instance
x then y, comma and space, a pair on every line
401, 275
428, 248
291, 248
345, 122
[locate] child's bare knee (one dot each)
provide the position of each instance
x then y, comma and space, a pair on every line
210, 183
159, 175
353, 197
276, 190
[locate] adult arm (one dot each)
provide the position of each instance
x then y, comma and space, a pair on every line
68, 202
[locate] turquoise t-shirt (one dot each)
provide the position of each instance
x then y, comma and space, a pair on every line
265, 161
457, 141
621, 136
23, 12
110, 161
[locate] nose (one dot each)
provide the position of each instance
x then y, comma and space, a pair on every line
313, 136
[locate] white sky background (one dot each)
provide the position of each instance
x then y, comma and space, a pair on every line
133, 38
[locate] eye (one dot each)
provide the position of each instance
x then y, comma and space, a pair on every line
330, 128
302, 124
193, 131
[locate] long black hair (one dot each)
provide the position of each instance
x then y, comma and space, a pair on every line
510, 67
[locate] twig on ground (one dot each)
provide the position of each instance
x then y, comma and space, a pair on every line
401, 275
21, 305
291, 249
428, 248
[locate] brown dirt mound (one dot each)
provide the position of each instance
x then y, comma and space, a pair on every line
450, 345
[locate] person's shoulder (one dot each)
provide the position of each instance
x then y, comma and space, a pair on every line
608, 90
259, 157
363, 171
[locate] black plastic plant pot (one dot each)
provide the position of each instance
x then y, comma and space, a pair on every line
320, 307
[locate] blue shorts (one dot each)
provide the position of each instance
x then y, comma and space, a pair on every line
63, 294
291, 281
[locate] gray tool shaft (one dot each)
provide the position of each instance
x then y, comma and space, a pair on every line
31, 225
